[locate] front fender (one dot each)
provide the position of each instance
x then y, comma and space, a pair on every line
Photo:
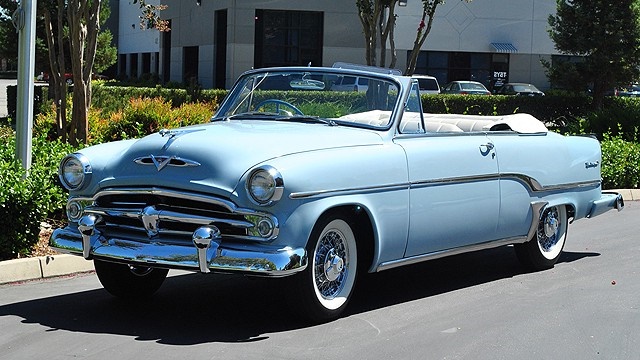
387, 211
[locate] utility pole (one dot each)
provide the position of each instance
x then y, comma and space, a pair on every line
24, 20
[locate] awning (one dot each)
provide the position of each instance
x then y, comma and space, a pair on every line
504, 47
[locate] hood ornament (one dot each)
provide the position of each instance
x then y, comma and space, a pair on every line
172, 135
160, 162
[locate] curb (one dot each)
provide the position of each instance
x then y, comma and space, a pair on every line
628, 194
42, 267
58, 265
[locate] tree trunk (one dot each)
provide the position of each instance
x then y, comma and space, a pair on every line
387, 23
57, 68
83, 19
369, 14
428, 11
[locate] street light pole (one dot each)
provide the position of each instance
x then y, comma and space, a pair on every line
24, 19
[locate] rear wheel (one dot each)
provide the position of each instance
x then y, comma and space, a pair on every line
325, 287
127, 281
543, 250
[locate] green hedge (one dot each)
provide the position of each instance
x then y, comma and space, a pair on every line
557, 110
113, 98
620, 163
27, 199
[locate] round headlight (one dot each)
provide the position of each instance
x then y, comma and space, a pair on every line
73, 171
265, 185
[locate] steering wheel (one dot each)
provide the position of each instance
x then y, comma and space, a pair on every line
279, 104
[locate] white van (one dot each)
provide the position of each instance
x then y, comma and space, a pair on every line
428, 84
350, 83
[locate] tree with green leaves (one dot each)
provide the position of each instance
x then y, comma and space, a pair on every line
378, 20
75, 24
606, 34
9, 38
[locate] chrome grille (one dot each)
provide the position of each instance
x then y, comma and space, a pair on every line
172, 216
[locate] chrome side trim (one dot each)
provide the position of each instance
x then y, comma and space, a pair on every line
443, 253
348, 191
537, 208
532, 184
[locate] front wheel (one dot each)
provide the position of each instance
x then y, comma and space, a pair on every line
543, 250
325, 287
128, 281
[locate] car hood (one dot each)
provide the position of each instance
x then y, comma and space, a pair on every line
214, 155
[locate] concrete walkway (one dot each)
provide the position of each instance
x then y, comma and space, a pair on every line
42, 267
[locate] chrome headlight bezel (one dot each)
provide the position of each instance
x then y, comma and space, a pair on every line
74, 171
265, 186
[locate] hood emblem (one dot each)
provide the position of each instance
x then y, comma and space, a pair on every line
160, 162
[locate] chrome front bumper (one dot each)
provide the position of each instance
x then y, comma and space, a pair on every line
608, 201
203, 255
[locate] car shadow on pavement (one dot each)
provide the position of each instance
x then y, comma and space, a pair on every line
194, 308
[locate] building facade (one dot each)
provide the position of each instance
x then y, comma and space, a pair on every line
214, 41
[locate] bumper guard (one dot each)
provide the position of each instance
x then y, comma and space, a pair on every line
207, 253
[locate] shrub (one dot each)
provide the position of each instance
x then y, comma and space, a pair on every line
558, 111
620, 163
620, 117
28, 199
111, 99
143, 116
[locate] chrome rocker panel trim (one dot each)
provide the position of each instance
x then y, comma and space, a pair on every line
219, 257
537, 208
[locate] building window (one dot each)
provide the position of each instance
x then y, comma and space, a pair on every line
146, 63
285, 38
122, 65
133, 65
487, 68
190, 62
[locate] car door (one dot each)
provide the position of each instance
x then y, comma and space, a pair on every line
454, 191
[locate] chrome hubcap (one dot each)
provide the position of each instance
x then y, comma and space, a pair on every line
333, 265
548, 230
550, 225
330, 265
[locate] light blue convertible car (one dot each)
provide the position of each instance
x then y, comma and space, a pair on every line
291, 179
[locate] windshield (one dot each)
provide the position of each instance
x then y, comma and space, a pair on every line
525, 88
318, 96
472, 86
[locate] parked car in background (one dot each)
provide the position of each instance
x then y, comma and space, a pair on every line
465, 88
44, 76
320, 187
519, 89
633, 90
350, 83
428, 84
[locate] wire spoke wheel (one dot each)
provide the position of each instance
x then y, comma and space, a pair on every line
328, 281
543, 250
